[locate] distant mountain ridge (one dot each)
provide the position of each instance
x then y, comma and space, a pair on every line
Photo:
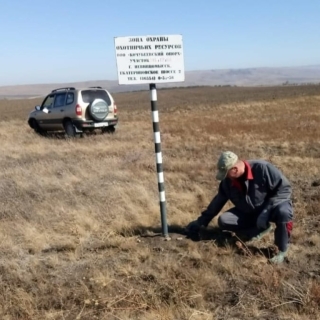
221, 77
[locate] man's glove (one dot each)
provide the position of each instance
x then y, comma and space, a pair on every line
263, 220
193, 228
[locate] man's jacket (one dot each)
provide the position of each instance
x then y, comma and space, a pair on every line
262, 187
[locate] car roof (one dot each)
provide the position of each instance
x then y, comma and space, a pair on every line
64, 89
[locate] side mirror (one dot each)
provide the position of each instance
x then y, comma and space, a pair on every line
38, 108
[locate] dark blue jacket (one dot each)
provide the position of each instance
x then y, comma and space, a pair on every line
265, 189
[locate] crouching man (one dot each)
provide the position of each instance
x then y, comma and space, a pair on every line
260, 194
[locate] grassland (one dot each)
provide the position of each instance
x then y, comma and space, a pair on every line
80, 233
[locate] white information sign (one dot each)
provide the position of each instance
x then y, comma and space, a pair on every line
149, 59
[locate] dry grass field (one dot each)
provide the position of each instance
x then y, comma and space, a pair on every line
80, 232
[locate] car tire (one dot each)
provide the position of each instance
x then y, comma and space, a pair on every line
69, 129
35, 126
98, 110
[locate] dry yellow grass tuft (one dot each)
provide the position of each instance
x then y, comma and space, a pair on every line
80, 218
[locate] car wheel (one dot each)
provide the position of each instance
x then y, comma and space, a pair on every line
98, 110
35, 126
110, 129
69, 129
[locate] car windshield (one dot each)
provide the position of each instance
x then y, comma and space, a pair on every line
89, 96
47, 103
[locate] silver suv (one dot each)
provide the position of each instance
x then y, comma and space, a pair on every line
74, 111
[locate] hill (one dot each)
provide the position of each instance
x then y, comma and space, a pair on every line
227, 77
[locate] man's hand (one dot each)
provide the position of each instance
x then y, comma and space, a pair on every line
263, 220
193, 227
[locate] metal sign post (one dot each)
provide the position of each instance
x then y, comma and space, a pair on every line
157, 147
151, 60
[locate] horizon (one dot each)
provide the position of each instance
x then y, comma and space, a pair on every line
63, 45
187, 71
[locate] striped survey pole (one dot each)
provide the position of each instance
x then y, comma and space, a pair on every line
157, 145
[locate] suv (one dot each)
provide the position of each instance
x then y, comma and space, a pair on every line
75, 111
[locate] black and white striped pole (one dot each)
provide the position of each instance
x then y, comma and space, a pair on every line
157, 145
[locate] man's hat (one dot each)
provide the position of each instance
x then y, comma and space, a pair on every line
226, 161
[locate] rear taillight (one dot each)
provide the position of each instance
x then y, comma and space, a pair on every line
78, 110
115, 110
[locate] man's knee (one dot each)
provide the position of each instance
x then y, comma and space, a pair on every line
283, 213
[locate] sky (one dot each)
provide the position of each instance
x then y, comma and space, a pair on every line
68, 41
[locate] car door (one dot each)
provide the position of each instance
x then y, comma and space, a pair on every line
52, 112
69, 107
43, 115
57, 113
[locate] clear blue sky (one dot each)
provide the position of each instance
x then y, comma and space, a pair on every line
63, 40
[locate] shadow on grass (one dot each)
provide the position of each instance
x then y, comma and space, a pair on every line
60, 135
220, 237
51, 135
208, 234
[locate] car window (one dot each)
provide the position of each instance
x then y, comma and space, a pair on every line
47, 103
70, 98
89, 96
60, 100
